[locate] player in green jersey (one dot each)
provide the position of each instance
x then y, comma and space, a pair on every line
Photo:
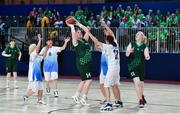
137, 52
12, 54
83, 63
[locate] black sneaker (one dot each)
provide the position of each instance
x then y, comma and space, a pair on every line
107, 107
141, 103
47, 90
118, 103
25, 98
143, 98
56, 94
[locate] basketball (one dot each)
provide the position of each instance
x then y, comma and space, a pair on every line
70, 20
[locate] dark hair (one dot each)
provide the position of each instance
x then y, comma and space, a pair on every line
48, 39
11, 40
110, 39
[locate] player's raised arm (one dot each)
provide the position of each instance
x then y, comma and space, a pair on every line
109, 31
39, 43
65, 44
86, 29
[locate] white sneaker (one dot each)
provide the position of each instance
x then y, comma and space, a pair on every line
76, 99
16, 87
41, 102
84, 102
7, 86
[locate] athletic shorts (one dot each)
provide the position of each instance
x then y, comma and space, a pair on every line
50, 76
35, 85
111, 78
135, 73
11, 66
84, 73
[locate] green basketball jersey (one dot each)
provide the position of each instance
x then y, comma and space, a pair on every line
136, 59
13, 51
83, 53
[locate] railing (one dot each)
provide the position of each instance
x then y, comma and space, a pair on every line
160, 40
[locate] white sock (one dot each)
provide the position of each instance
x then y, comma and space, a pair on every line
77, 94
7, 82
15, 83
84, 96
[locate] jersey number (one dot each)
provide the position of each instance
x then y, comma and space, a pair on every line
116, 54
88, 75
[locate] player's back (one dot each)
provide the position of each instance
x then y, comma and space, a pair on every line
112, 54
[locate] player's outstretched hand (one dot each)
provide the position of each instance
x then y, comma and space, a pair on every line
39, 37
67, 39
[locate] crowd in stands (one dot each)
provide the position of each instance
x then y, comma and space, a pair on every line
131, 16
115, 17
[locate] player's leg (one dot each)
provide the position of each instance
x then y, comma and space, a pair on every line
101, 85
117, 96
30, 91
47, 77
15, 80
54, 78
86, 77
40, 92
138, 91
142, 86
8, 70
85, 91
14, 68
108, 105
116, 91
8, 79
76, 96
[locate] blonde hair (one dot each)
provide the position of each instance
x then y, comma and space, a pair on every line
144, 37
32, 47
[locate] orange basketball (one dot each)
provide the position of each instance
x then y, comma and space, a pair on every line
70, 20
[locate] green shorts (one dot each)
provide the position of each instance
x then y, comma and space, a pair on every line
11, 65
84, 72
136, 73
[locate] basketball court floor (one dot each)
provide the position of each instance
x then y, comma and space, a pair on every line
161, 98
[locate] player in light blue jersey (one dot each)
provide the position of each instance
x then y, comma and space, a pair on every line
34, 73
50, 65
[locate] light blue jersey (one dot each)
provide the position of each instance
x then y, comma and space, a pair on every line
34, 73
50, 61
103, 64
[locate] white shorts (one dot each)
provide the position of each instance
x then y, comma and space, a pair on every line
50, 76
35, 85
112, 78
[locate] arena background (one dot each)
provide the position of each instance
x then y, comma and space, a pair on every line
164, 63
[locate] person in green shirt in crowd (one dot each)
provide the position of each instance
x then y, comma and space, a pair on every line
163, 22
140, 15
178, 16
163, 33
119, 12
83, 20
79, 13
104, 12
128, 10
12, 54
158, 16
83, 63
152, 38
137, 52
